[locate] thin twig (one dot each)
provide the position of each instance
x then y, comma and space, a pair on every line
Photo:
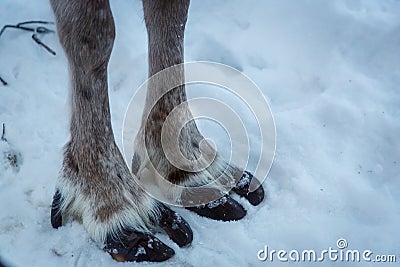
39, 42
16, 27
3, 138
3, 81
36, 30
35, 21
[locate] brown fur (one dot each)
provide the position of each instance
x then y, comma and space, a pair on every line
95, 184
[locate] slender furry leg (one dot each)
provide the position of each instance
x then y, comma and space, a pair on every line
165, 23
95, 186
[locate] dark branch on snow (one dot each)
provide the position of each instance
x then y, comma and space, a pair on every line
35, 30
3, 138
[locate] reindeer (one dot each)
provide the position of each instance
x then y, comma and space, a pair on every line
94, 185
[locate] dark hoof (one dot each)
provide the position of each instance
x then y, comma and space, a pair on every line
176, 227
56, 217
223, 209
242, 189
136, 246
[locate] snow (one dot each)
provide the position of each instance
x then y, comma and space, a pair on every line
330, 70
140, 251
217, 202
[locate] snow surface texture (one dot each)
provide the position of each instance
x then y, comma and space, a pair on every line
330, 70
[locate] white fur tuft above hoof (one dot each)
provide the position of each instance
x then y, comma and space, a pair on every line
101, 193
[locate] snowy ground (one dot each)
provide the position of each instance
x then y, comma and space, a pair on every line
330, 70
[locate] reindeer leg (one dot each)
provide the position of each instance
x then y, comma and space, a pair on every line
95, 185
165, 23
